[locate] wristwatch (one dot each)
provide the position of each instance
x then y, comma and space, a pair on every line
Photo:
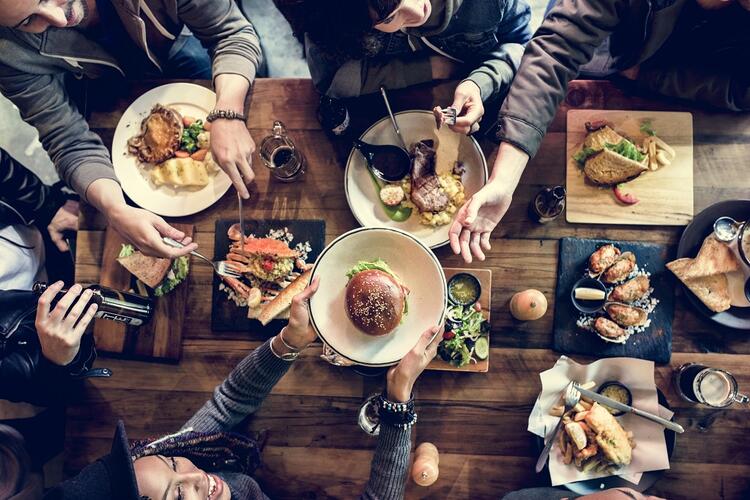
226, 114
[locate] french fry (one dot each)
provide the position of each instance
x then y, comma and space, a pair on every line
661, 158
557, 411
652, 164
586, 404
580, 416
568, 457
591, 464
588, 385
578, 408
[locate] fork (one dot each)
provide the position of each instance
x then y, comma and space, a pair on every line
570, 397
221, 267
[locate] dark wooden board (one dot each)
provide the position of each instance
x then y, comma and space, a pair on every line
655, 343
225, 315
159, 339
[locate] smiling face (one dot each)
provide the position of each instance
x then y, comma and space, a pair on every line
177, 478
408, 14
35, 16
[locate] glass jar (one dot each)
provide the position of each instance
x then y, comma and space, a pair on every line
281, 156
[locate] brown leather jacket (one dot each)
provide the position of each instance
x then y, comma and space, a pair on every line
638, 31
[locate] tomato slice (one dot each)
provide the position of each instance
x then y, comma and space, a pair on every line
622, 197
267, 265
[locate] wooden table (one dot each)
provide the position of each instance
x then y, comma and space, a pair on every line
478, 421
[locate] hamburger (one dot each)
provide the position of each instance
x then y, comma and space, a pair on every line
375, 298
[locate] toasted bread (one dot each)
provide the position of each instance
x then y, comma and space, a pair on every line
597, 139
607, 167
150, 270
283, 300
712, 290
714, 257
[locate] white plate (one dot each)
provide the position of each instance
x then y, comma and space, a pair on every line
189, 100
415, 125
414, 263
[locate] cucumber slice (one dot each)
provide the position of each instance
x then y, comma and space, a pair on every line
482, 348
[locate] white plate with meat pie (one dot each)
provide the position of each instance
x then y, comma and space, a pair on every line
136, 177
401, 256
457, 170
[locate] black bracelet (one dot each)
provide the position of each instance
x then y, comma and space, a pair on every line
226, 114
401, 415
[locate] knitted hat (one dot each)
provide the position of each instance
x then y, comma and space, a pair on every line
112, 476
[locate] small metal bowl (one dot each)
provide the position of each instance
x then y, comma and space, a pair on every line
588, 306
468, 277
743, 241
614, 383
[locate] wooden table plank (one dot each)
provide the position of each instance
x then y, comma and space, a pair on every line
477, 420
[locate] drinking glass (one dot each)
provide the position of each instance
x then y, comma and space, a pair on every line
281, 156
709, 386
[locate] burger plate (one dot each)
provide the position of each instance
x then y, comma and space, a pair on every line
411, 260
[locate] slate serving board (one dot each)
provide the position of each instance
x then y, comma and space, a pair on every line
655, 343
225, 315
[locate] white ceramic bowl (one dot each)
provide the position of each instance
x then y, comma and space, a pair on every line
190, 100
415, 125
411, 260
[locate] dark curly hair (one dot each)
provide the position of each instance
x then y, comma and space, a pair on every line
345, 27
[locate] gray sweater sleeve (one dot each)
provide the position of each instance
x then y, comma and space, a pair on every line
247, 386
389, 464
241, 393
78, 153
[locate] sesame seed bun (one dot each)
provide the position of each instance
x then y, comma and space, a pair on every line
375, 302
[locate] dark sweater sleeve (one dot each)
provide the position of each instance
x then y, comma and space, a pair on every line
241, 393
389, 464
24, 198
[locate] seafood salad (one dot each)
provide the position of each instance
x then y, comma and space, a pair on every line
629, 300
272, 272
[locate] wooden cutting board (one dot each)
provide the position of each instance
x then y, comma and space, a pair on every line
666, 195
655, 343
485, 300
159, 339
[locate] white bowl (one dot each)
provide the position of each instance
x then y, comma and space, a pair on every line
411, 260
415, 125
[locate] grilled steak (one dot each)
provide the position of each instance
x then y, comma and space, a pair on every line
425, 186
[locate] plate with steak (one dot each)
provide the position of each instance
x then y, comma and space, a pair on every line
446, 170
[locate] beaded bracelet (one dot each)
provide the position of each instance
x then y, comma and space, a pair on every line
401, 415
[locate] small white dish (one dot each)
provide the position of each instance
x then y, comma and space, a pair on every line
411, 260
189, 100
415, 125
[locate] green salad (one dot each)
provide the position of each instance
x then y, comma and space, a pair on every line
466, 336
624, 148
189, 140
177, 273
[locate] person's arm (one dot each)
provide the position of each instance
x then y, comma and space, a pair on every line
235, 54
390, 463
244, 390
495, 72
564, 42
24, 198
696, 83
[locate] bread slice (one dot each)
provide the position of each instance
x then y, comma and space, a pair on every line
714, 257
150, 270
712, 290
597, 139
283, 300
607, 168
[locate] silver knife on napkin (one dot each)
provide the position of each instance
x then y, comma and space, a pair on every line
616, 405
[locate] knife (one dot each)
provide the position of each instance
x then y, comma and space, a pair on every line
616, 405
